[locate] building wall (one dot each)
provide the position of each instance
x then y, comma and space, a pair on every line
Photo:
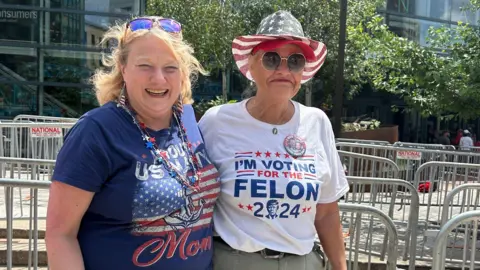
48, 51
412, 19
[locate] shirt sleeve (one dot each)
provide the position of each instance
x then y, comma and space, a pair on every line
83, 160
206, 128
336, 186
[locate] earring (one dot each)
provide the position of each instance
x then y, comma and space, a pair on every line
122, 99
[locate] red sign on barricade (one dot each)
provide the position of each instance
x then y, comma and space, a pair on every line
46, 132
411, 155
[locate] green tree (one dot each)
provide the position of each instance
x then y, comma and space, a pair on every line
460, 75
428, 80
212, 25
442, 79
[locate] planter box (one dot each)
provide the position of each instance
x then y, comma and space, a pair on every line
386, 133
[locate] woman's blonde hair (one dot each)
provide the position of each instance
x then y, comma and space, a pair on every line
109, 82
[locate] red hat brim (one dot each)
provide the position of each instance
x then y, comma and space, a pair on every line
242, 48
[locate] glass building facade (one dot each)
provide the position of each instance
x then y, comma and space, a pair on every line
48, 51
413, 18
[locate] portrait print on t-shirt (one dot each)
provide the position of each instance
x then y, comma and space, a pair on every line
163, 208
273, 185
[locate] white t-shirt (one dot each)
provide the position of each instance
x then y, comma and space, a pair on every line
465, 143
268, 198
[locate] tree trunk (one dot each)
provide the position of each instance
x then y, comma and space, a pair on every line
224, 84
308, 94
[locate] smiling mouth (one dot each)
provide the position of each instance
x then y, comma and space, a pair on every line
282, 80
157, 92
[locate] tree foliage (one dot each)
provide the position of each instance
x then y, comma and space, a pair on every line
433, 81
460, 73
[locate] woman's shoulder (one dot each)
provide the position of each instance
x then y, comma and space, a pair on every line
103, 117
312, 113
218, 112
103, 114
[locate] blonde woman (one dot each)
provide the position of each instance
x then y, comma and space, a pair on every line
133, 187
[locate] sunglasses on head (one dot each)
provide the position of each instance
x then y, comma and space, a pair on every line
272, 60
167, 25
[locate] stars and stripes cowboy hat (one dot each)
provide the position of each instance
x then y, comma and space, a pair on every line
281, 25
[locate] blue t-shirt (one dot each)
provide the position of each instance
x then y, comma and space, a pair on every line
140, 217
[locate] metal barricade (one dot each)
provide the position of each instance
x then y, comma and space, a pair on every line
409, 159
396, 198
32, 140
41, 118
475, 149
34, 186
363, 141
362, 246
30, 170
368, 166
424, 146
435, 180
464, 228
463, 198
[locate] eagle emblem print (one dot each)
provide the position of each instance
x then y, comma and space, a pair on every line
170, 212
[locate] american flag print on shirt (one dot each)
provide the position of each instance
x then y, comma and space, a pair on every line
163, 205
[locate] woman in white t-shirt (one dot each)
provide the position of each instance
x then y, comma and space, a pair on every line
466, 142
280, 171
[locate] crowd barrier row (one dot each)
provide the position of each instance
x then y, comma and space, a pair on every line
372, 234
403, 197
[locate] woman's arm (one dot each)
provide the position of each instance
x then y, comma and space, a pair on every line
66, 207
329, 230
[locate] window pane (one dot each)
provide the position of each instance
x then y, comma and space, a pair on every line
76, 29
413, 29
114, 6
46, 27
18, 24
402, 6
70, 66
17, 99
68, 101
403, 27
21, 2
17, 63
440, 9
460, 14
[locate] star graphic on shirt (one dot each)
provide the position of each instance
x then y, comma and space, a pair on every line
240, 205
304, 209
249, 207
267, 154
149, 145
308, 209
287, 156
277, 154
152, 139
258, 153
